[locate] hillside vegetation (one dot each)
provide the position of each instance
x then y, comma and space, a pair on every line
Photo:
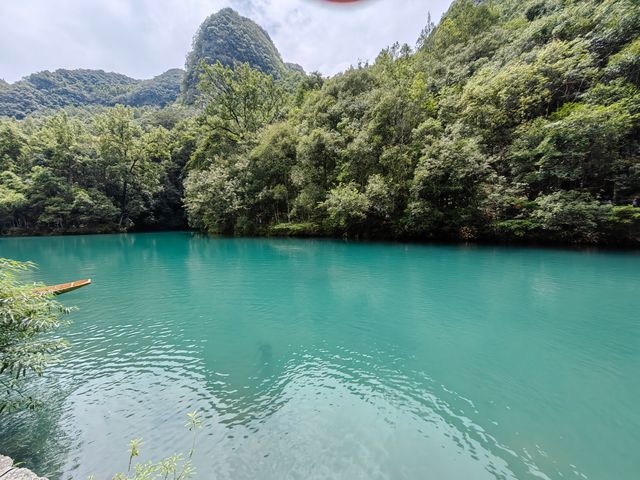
230, 38
510, 120
514, 119
78, 88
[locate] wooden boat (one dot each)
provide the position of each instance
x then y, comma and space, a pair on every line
64, 287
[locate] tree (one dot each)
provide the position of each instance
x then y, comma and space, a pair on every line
379, 197
448, 186
506, 109
214, 199
271, 162
12, 199
239, 100
133, 175
347, 207
12, 144
93, 209
49, 198
58, 146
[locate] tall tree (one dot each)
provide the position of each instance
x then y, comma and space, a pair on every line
121, 146
240, 100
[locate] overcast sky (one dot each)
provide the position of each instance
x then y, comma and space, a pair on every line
143, 38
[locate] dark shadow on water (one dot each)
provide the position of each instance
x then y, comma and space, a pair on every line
36, 441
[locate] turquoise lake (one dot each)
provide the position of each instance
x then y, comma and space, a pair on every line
315, 359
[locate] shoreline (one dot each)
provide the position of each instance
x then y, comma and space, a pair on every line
521, 243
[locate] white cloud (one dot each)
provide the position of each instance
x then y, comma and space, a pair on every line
143, 38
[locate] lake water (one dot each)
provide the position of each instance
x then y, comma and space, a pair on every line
323, 359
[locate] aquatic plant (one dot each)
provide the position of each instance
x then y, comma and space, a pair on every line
175, 467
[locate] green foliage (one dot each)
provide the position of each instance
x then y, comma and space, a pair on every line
463, 22
132, 160
12, 144
448, 185
572, 216
294, 229
28, 344
65, 173
346, 207
175, 467
228, 38
159, 91
239, 100
626, 63
579, 146
214, 199
514, 119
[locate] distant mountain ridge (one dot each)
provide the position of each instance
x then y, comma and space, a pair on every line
63, 88
225, 36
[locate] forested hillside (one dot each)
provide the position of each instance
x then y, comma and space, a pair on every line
229, 38
510, 120
80, 88
514, 119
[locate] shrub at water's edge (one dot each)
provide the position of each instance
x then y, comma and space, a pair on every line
294, 230
28, 343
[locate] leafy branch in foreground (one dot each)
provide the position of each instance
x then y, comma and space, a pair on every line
27, 319
175, 467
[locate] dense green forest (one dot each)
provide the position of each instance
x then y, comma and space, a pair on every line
510, 120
